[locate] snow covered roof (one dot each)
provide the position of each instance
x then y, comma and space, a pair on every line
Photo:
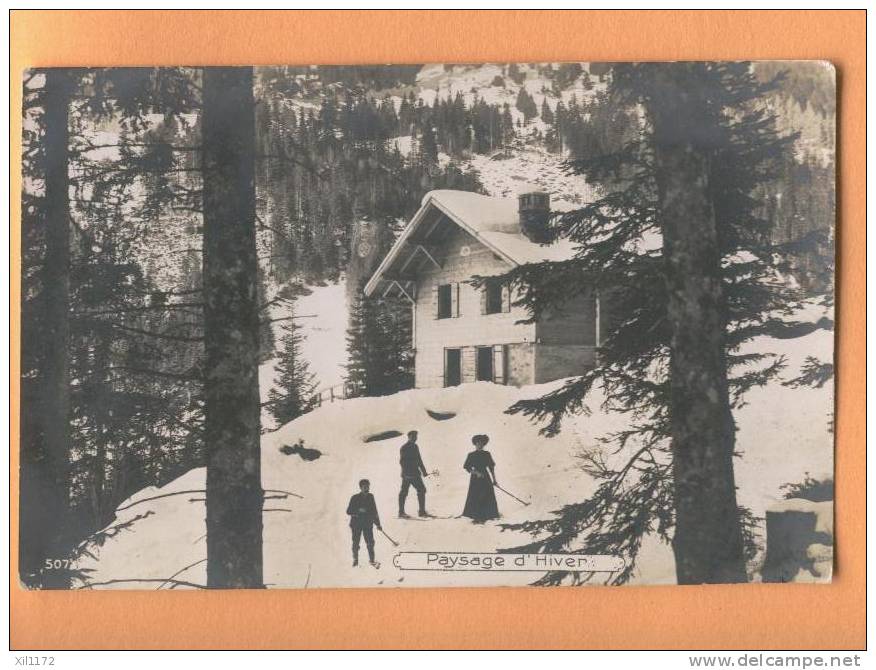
481, 212
493, 221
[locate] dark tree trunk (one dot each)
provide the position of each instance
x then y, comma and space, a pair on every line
231, 330
708, 542
46, 439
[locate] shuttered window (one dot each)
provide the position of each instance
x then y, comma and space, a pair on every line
452, 367
446, 301
492, 297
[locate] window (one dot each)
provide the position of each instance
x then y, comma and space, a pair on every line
452, 367
490, 364
495, 297
448, 301
492, 297
484, 364
444, 301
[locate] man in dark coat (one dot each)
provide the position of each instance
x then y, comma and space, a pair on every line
363, 515
412, 473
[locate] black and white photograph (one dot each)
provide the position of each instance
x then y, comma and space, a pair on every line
441, 325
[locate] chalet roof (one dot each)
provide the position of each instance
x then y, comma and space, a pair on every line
493, 221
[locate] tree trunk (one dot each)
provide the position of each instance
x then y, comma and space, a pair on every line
708, 542
231, 332
46, 450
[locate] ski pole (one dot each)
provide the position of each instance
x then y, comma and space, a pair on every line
522, 502
394, 543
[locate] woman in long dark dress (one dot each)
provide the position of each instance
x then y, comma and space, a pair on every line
480, 504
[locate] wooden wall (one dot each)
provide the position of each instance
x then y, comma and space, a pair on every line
470, 328
555, 361
574, 324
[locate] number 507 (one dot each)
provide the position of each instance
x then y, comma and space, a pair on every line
57, 564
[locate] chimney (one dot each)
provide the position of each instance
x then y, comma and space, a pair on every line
535, 211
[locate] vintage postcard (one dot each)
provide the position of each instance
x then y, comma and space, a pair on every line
427, 325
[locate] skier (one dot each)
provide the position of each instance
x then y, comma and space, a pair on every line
363, 515
412, 473
480, 504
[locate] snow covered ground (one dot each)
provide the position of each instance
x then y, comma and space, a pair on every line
783, 434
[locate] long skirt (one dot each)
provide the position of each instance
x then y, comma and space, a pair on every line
480, 504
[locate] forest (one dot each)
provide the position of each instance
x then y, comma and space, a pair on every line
168, 212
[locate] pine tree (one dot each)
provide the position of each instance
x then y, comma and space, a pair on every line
708, 541
231, 332
565, 76
646, 353
526, 105
46, 444
507, 126
429, 145
363, 340
547, 114
379, 347
295, 385
124, 397
515, 75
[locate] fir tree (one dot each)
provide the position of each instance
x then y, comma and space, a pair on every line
547, 114
292, 395
379, 348
566, 75
429, 145
84, 287
362, 340
647, 485
515, 75
231, 332
526, 105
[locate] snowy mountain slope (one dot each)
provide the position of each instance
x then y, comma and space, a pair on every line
783, 434
532, 168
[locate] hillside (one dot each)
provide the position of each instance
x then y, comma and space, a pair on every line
306, 540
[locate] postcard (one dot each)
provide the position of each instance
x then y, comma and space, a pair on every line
438, 325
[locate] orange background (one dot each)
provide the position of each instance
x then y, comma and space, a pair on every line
730, 617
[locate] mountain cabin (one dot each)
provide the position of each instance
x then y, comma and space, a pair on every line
465, 334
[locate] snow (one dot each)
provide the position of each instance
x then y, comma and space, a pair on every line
477, 211
325, 344
520, 249
439, 81
532, 166
404, 144
496, 221
435, 81
323, 320
783, 433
